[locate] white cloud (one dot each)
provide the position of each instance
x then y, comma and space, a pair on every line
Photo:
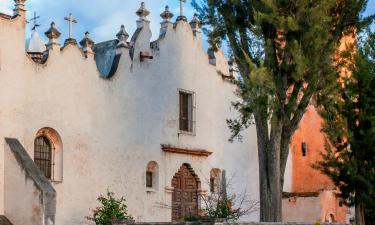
101, 18
6, 6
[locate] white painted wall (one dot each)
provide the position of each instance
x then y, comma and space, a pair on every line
288, 174
23, 201
111, 129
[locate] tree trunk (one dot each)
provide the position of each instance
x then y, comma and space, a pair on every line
269, 170
359, 214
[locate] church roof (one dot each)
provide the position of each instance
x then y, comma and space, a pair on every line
36, 45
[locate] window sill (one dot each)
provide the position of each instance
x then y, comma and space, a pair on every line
187, 133
150, 190
55, 181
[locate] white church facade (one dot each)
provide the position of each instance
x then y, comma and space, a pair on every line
144, 119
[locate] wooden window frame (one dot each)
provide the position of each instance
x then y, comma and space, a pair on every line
37, 159
191, 119
149, 179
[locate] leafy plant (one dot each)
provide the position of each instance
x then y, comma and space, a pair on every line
193, 218
111, 209
222, 204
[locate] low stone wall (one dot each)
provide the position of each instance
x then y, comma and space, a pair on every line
225, 223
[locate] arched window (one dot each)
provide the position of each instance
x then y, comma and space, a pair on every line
152, 175
215, 180
48, 153
43, 155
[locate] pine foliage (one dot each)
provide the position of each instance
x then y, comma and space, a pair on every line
349, 113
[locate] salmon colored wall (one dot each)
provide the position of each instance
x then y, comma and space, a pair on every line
304, 177
314, 208
300, 209
307, 179
330, 205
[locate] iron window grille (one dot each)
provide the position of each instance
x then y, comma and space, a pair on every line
187, 110
43, 155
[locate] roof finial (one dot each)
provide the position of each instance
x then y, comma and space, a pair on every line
166, 15
87, 44
53, 34
142, 12
71, 21
19, 9
181, 16
122, 36
34, 21
195, 23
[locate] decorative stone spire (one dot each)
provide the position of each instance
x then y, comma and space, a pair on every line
122, 37
166, 15
36, 45
53, 35
181, 16
195, 24
142, 12
87, 44
19, 8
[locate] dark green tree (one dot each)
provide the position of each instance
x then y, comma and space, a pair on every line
284, 52
349, 113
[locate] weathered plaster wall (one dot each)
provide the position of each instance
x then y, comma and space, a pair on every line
23, 202
111, 129
330, 206
300, 209
304, 177
323, 207
12, 34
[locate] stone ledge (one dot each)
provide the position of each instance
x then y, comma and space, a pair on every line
184, 151
4, 221
300, 194
223, 223
29, 166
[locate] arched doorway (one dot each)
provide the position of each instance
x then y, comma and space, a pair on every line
185, 199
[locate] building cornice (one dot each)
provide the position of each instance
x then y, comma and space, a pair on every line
185, 151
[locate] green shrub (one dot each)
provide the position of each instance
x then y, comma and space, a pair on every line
111, 209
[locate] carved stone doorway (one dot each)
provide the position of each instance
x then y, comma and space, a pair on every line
185, 198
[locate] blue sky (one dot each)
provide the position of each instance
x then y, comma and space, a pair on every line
103, 18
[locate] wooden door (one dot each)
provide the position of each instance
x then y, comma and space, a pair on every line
185, 194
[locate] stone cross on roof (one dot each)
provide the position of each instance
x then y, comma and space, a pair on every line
71, 21
34, 20
181, 17
182, 7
